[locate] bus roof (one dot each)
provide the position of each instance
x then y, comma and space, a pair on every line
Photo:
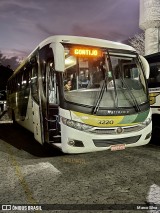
77, 40
85, 41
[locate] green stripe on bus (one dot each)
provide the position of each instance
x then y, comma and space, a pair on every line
128, 119
142, 116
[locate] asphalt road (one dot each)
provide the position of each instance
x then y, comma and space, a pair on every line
32, 174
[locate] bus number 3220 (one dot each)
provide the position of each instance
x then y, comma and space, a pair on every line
106, 122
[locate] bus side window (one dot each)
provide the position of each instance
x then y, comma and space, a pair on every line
154, 79
52, 87
43, 70
16, 83
34, 83
19, 81
25, 77
158, 75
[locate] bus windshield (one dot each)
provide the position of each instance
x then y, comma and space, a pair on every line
103, 79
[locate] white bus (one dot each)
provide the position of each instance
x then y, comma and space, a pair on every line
82, 95
154, 89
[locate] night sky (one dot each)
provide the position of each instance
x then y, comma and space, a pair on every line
25, 23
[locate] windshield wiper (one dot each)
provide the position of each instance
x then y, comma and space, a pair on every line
109, 67
135, 103
104, 86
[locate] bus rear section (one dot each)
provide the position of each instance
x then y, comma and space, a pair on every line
83, 95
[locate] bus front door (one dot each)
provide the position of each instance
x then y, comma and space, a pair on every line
52, 117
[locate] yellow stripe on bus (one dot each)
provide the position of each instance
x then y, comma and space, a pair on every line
101, 121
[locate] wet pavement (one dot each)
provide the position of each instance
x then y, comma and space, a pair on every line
33, 174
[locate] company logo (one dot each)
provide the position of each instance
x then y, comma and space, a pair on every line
119, 130
117, 112
6, 207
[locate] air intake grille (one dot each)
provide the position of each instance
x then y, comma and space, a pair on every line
109, 142
112, 131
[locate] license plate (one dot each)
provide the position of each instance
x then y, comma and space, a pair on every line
118, 147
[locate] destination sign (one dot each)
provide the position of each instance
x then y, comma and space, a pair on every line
86, 52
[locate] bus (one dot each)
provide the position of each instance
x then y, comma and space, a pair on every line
154, 88
82, 95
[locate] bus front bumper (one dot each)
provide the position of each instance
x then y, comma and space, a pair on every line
76, 141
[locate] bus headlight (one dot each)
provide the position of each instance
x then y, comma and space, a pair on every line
147, 121
75, 124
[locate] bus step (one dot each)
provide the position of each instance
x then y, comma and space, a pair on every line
58, 145
57, 136
54, 136
52, 130
52, 125
50, 120
55, 140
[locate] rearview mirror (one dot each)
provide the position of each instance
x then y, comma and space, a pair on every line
59, 59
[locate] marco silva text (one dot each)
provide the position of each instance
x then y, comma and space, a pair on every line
147, 207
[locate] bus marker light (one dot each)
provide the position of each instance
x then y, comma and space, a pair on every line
75, 143
118, 147
148, 136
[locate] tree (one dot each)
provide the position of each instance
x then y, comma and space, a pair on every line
2, 58
138, 42
13, 61
5, 73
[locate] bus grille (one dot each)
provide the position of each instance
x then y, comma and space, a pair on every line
112, 131
109, 142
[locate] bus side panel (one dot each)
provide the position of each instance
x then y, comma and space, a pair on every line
154, 95
28, 122
37, 122
36, 102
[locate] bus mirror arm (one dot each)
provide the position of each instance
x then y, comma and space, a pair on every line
145, 66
